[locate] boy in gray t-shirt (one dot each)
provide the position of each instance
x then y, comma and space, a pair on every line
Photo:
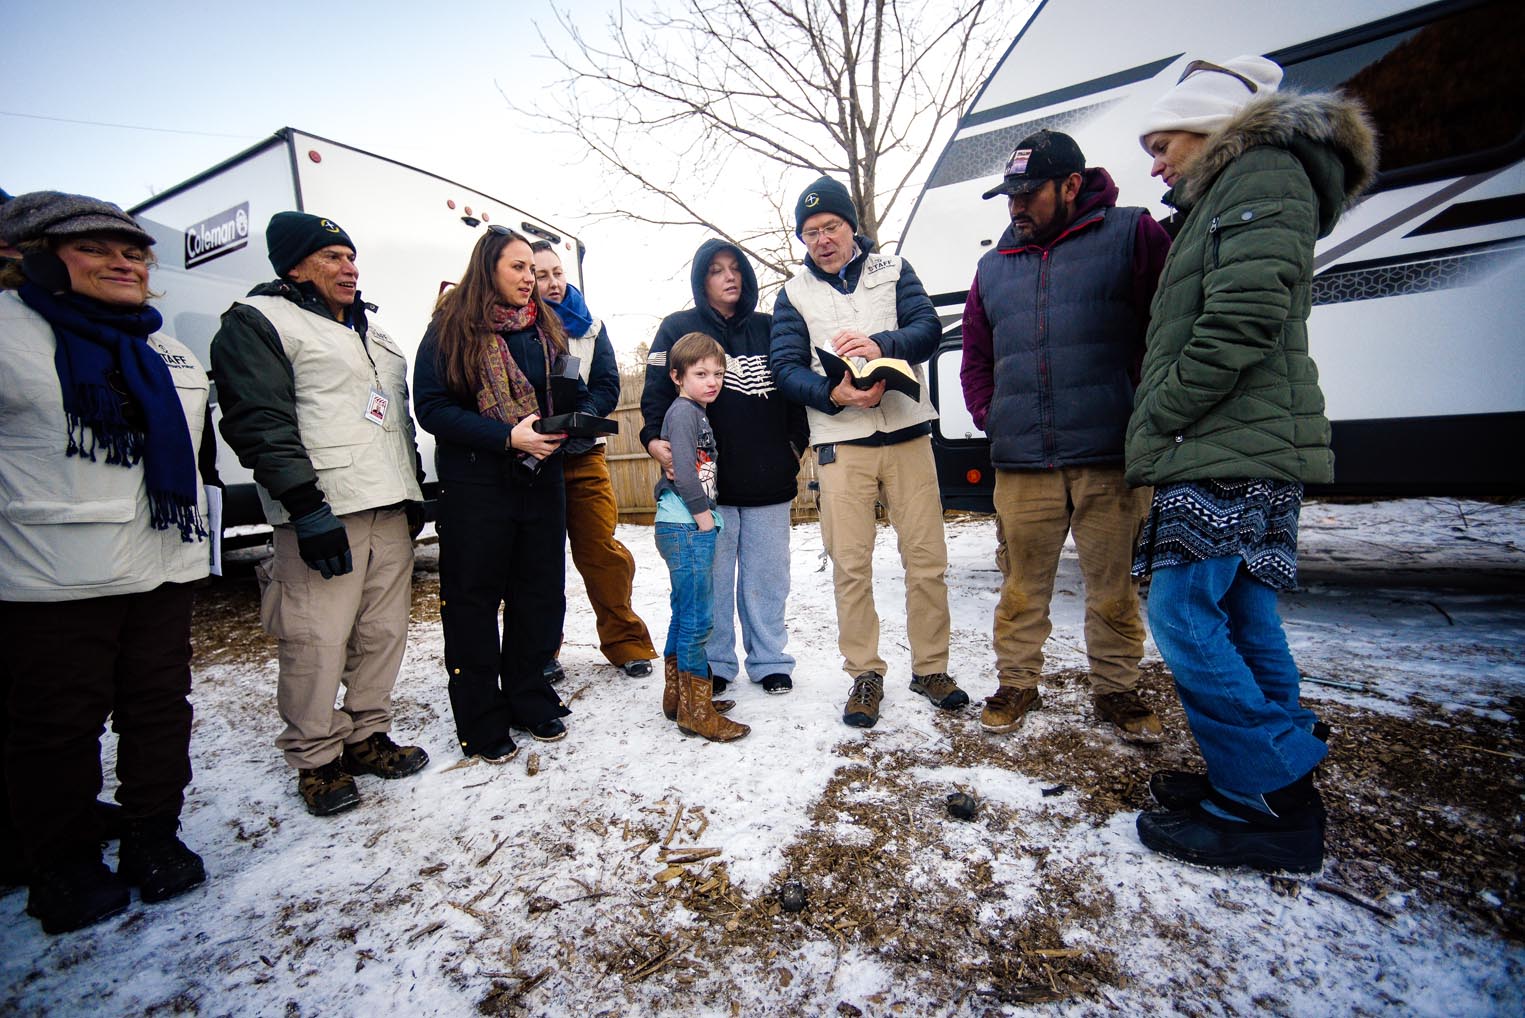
685, 532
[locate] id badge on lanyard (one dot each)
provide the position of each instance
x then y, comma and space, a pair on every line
376, 411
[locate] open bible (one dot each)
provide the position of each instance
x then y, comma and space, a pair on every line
892, 371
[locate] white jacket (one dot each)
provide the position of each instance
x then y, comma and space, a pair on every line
360, 465
71, 528
870, 308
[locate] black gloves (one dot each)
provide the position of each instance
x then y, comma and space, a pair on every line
323, 542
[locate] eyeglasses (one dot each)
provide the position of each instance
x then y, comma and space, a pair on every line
812, 235
1207, 65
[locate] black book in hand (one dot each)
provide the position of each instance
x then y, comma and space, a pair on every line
892, 371
577, 425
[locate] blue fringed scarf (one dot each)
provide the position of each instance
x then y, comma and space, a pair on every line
573, 312
99, 346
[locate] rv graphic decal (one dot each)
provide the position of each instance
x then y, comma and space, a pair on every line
217, 235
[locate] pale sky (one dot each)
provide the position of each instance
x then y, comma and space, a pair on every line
415, 82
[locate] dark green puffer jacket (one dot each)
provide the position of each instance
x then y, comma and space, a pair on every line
1228, 389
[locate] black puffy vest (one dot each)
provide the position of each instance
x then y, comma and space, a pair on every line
1066, 341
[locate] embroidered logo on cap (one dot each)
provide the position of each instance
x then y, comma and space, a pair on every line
812, 200
1018, 164
330, 227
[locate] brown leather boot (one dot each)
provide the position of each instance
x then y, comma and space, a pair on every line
670, 691
697, 714
670, 687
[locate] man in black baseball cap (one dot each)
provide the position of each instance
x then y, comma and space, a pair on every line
1043, 179
1053, 332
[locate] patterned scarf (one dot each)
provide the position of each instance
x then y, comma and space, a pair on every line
118, 395
506, 394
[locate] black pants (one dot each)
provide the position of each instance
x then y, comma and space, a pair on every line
67, 666
501, 547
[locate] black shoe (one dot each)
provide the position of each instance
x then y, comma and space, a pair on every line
157, 862
327, 789
500, 752
1289, 839
637, 669
553, 730
13, 868
777, 684
718, 683
377, 754
553, 672
1182, 789
74, 894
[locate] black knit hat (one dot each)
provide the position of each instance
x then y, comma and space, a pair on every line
1047, 155
292, 236
825, 195
39, 214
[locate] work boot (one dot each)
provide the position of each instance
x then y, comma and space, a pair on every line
74, 893
157, 862
862, 710
1005, 710
697, 714
553, 672
1132, 718
1180, 789
940, 688
670, 690
377, 754
327, 789
1221, 832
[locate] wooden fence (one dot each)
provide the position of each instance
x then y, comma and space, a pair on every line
634, 473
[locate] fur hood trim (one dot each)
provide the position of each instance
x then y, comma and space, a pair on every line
1275, 119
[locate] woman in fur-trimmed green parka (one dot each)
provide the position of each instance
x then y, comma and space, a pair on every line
1228, 424
1228, 388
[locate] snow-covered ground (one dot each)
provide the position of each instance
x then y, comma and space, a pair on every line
478, 889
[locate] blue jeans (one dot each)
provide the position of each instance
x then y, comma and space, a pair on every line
690, 556
751, 578
1217, 629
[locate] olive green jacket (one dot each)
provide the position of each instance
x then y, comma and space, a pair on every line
1228, 389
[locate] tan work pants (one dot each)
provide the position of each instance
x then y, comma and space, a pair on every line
349, 631
1036, 509
606, 565
904, 478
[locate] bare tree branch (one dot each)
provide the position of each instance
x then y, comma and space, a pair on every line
697, 101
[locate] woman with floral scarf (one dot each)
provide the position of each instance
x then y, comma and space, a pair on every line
481, 380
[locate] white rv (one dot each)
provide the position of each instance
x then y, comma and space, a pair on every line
412, 230
1418, 326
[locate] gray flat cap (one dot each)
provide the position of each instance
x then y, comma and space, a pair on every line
39, 214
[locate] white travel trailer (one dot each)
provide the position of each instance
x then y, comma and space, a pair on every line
1418, 326
413, 232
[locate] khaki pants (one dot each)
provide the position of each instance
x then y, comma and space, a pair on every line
349, 631
904, 477
1036, 509
606, 565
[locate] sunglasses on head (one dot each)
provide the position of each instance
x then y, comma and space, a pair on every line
501, 231
1207, 65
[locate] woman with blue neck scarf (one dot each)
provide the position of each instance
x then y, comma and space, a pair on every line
606, 565
103, 523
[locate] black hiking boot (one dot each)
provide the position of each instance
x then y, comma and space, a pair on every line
327, 789
1222, 833
75, 893
157, 862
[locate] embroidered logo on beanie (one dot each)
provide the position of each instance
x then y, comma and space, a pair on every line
812, 200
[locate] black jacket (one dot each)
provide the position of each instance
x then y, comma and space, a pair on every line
470, 448
760, 434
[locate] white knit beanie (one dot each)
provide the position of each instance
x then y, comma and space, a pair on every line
1206, 99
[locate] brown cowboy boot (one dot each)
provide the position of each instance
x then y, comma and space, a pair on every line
697, 713
670, 691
